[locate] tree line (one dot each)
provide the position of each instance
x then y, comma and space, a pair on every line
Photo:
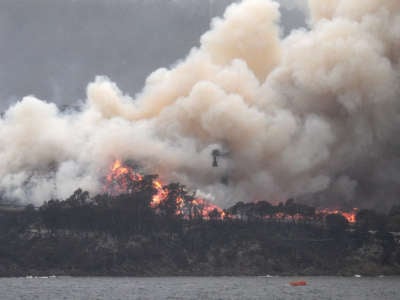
133, 212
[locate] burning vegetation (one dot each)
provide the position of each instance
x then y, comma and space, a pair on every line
141, 225
298, 106
122, 179
350, 216
175, 199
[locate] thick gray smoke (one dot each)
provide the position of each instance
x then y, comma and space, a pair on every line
314, 115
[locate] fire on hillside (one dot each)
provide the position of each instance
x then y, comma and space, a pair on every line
122, 179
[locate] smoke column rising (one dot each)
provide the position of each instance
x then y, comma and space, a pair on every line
313, 115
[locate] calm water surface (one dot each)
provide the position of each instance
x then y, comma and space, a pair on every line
387, 288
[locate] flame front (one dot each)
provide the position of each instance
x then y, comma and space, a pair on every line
122, 179
349, 215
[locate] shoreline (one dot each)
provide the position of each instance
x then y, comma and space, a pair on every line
45, 275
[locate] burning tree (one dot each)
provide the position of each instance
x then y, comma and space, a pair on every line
170, 200
173, 200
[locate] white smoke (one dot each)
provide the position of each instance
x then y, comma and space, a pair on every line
317, 111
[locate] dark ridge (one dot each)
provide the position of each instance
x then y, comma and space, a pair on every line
123, 235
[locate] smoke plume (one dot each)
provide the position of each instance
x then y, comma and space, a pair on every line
314, 115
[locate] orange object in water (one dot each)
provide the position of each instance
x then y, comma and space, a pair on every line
298, 283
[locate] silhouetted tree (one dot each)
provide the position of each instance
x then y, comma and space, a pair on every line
367, 219
170, 206
336, 223
214, 215
77, 199
263, 209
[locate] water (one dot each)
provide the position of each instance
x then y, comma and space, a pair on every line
200, 288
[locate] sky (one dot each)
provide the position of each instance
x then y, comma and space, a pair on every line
53, 49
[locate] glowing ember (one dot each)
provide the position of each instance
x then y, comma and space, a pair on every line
209, 210
122, 179
349, 215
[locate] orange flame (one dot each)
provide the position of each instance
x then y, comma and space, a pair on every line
122, 179
349, 215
